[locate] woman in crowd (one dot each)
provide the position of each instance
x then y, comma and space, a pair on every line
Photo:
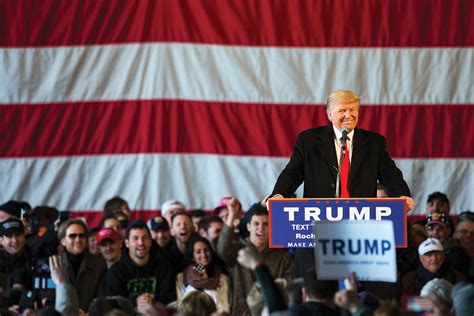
202, 273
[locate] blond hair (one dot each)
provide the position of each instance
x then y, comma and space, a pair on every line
197, 303
341, 96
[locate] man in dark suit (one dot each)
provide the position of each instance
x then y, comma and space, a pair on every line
315, 160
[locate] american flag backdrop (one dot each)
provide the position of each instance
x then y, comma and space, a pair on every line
196, 100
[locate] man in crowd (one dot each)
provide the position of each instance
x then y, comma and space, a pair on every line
140, 275
317, 161
279, 262
116, 205
160, 231
109, 242
12, 238
464, 233
438, 226
15, 259
210, 227
182, 230
170, 207
318, 297
84, 269
437, 202
196, 216
432, 265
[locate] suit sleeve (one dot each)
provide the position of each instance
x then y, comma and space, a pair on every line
293, 175
389, 175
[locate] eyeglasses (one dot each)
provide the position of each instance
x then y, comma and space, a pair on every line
438, 228
74, 236
465, 232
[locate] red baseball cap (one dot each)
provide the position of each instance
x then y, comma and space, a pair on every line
107, 233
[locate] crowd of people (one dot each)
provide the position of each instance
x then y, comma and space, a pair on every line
196, 262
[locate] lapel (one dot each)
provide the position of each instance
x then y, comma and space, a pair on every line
359, 151
328, 149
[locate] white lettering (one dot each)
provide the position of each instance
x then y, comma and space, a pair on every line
364, 213
311, 213
382, 211
340, 214
291, 211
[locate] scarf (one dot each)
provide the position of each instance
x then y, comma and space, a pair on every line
191, 277
75, 262
424, 276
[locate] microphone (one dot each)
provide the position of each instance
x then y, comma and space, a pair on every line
345, 131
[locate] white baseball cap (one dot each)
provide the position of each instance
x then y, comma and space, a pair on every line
430, 244
172, 205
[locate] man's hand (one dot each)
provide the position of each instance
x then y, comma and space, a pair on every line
235, 212
410, 202
351, 282
249, 258
143, 302
347, 299
276, 196
58, 269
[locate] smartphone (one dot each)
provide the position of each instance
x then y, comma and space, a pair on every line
199, 268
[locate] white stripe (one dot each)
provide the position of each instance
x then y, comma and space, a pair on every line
147, 180
235, 73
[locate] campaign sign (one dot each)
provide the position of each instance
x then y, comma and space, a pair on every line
292, 220
364, 247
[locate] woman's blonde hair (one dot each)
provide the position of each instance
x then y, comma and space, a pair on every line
197, 303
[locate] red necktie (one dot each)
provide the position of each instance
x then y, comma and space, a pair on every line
346, 166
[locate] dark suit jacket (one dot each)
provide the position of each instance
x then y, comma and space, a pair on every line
314, 161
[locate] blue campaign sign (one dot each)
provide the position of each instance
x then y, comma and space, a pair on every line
292, 220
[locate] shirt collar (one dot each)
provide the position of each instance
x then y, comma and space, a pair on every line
338, 133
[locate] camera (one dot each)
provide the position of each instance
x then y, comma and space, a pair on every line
42, 275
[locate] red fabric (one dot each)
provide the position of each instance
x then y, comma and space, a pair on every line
181, 126
345, 169
323, 23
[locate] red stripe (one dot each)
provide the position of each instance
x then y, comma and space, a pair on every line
324, 23
177, 126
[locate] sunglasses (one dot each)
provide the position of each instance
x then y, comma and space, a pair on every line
74, 236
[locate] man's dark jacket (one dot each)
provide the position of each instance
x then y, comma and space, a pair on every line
314, 161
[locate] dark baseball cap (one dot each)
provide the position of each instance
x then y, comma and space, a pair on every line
11, 226
158, 223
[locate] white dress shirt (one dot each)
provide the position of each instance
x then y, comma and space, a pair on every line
337, 142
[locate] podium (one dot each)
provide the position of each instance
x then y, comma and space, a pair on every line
291, 221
